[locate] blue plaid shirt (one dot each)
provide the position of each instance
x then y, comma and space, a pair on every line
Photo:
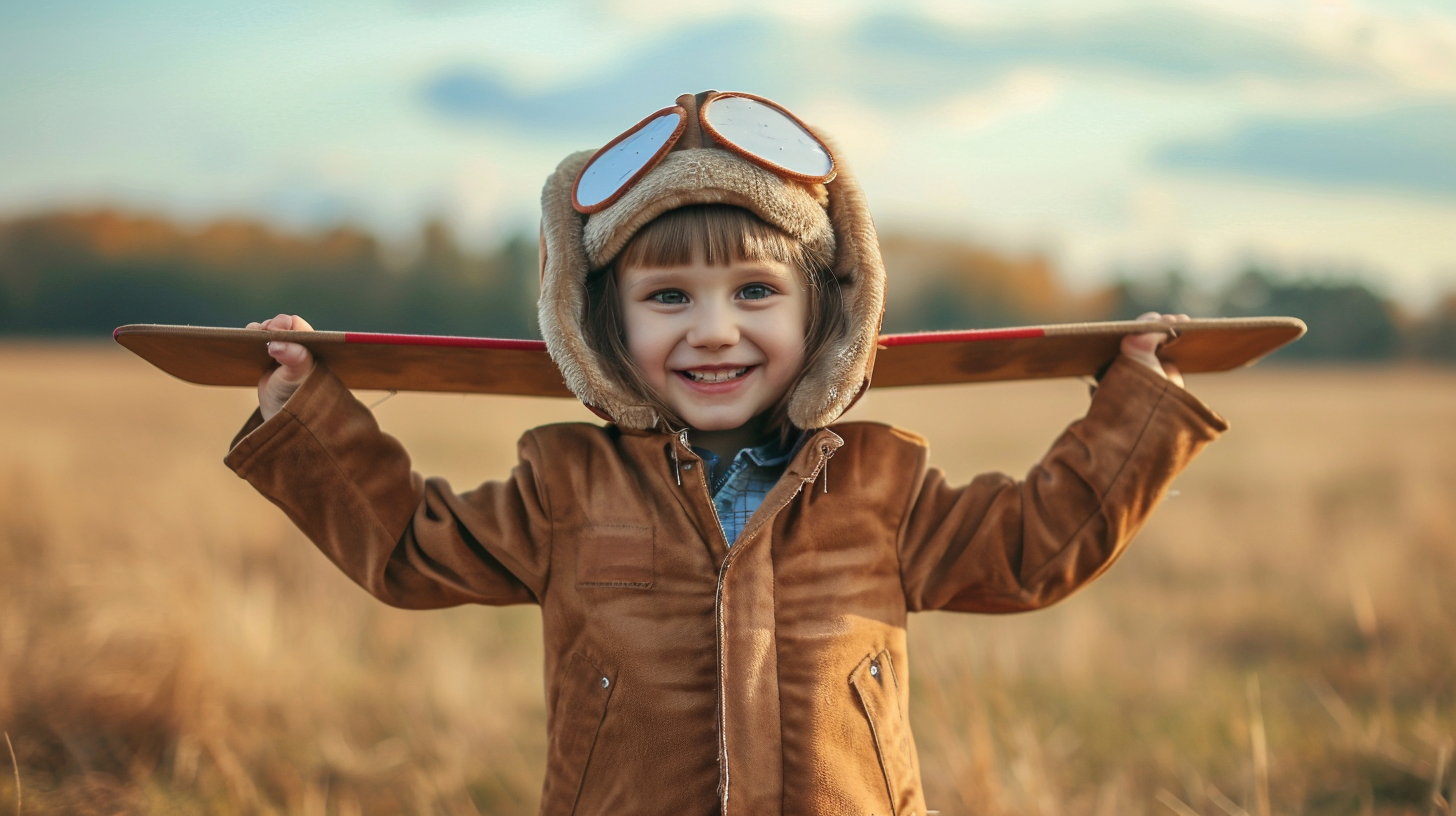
740, 488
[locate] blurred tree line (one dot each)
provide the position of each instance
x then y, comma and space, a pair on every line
957, 285
87, 273
84, 273
1347, 320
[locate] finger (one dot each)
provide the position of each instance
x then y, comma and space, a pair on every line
1150, 316
290, 355
299, 324
1145, 344
281, 322
254, 325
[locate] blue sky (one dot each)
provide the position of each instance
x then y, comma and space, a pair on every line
1111, 134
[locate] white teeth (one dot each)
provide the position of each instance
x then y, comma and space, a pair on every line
722, 375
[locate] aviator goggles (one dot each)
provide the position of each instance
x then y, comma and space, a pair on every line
756, 129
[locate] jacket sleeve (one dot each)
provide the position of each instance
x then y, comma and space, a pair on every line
1001, 545
409, 541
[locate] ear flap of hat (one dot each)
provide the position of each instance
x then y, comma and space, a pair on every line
562, 308
842, 372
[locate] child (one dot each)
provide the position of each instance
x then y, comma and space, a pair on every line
724, 619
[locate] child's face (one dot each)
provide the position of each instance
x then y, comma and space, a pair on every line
720, 344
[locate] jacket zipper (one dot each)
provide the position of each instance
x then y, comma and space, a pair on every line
825, 453
717, 610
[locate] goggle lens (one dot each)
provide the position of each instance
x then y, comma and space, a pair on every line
612, 170
769, 134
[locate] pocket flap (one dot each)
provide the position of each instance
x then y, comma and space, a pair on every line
585, 691
878, 688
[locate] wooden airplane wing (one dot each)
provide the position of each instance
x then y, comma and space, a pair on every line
1073, 349
478, 365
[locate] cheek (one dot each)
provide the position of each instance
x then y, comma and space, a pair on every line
645, 340
788, 338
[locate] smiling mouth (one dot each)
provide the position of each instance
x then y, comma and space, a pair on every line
719, 375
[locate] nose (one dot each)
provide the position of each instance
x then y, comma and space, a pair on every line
715, 328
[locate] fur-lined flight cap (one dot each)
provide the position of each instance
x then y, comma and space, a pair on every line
830, 219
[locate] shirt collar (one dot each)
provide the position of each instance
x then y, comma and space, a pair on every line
770, 454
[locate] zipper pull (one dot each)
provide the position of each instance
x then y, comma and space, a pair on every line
682, 436
826, 452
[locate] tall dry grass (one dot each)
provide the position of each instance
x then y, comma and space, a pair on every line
1279, 640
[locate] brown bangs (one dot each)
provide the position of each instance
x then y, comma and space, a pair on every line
719, 234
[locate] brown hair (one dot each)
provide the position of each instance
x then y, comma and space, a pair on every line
719, 234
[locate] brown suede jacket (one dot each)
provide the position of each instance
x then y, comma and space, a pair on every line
687, 677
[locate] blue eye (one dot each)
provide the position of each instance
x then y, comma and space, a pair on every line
755, 291
669, 297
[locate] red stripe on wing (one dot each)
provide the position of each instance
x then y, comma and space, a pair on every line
970, 335
374, 338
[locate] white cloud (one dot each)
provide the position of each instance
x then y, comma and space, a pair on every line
1018, 92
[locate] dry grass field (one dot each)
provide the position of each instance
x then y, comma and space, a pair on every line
1281, 639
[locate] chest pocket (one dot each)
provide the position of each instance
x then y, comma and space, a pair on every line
615, 555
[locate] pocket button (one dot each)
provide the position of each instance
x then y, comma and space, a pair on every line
606, 683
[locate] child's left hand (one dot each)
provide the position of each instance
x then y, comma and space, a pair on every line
1144, 347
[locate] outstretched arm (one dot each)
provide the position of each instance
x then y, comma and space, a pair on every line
1006, 545
411, 542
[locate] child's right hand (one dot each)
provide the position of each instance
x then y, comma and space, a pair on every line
1144, 347
294, 364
